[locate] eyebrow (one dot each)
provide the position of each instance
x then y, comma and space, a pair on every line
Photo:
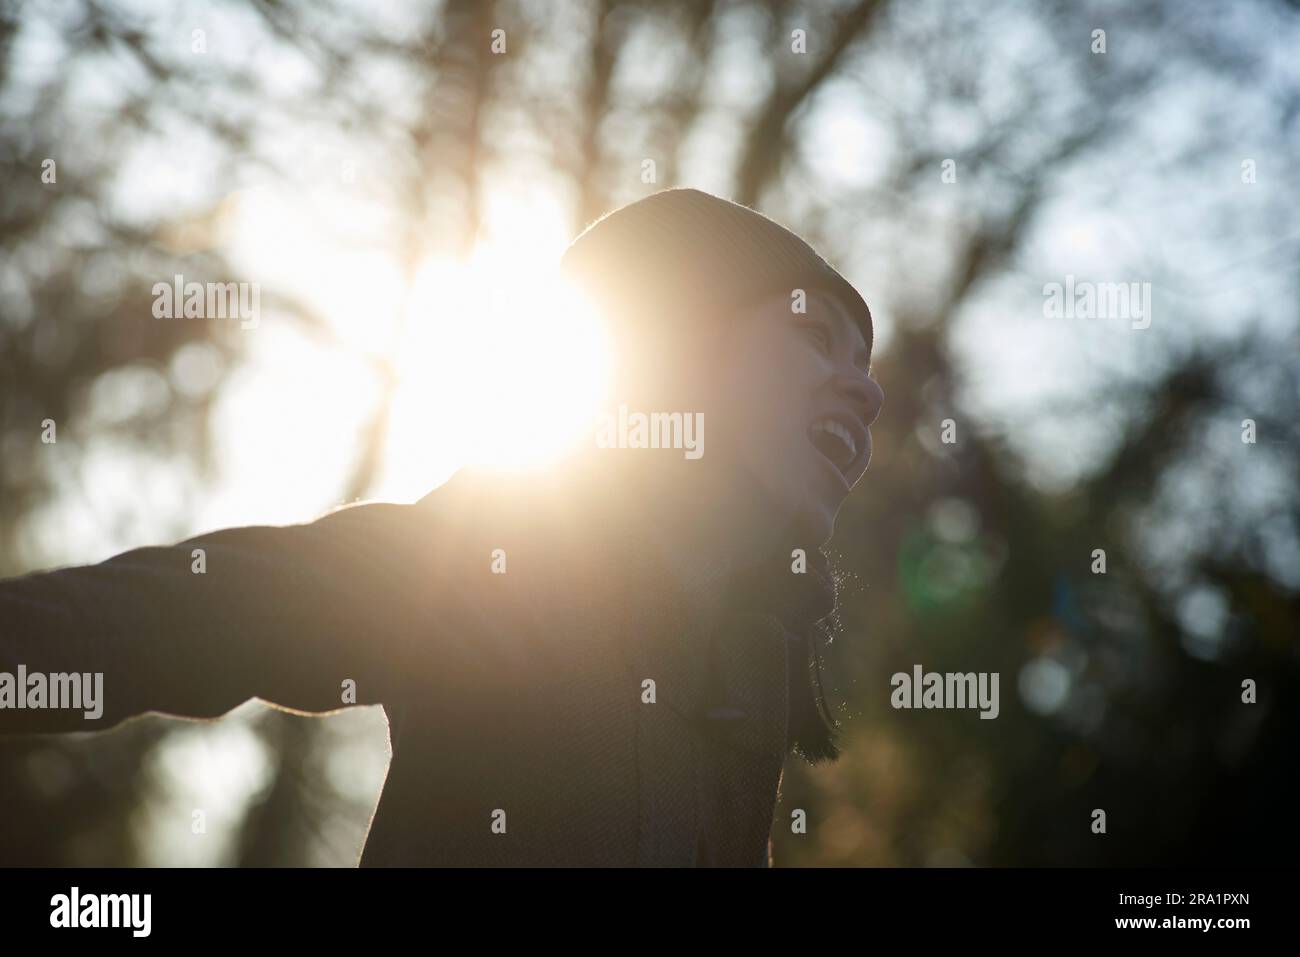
844, 320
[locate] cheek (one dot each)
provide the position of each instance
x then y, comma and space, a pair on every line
763, 404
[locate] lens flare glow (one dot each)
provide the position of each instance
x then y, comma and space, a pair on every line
503, 364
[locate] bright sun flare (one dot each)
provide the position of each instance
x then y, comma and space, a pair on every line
498, 363
503, 364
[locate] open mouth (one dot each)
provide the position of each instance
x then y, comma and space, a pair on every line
836, 442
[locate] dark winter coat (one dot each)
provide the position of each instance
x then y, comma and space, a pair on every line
525, 692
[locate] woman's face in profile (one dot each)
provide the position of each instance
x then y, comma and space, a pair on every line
794, 405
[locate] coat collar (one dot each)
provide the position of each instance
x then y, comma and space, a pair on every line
729, 681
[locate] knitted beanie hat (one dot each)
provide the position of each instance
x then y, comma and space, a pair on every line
662, 265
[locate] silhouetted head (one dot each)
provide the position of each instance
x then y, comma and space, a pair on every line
718, 313
730, 322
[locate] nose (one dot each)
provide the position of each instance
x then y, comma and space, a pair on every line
863, 392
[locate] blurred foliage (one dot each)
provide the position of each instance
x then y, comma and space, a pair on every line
1119, 691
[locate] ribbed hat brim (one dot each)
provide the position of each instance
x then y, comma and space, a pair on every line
683, 255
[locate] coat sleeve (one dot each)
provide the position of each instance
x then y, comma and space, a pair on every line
290, 614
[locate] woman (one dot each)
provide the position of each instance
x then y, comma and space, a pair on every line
603, 665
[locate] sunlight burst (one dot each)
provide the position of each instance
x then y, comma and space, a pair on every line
503, 364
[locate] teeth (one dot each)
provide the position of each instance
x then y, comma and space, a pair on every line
831, 427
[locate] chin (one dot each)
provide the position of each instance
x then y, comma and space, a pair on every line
824, 532
817, 523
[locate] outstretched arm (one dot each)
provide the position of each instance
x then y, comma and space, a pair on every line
283, 613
